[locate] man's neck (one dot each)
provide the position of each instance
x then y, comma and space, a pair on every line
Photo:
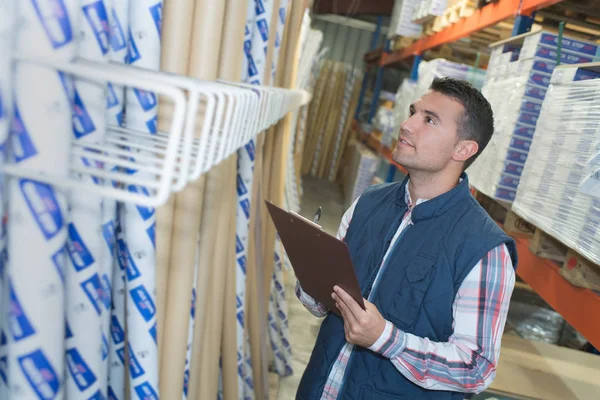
427, 186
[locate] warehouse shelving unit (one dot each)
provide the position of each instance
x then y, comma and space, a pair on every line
575, 304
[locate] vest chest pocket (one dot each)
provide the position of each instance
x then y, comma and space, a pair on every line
408, 299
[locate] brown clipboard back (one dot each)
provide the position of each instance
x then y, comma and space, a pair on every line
320, 260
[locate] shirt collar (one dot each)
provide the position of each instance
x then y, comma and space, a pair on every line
408, 199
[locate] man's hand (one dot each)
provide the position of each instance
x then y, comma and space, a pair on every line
362, 327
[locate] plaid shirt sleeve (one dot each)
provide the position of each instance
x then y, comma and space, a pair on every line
314, 307
467, 361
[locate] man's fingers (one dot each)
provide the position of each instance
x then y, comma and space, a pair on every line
352, 305
346, 313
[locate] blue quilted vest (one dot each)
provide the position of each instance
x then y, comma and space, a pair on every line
421, 277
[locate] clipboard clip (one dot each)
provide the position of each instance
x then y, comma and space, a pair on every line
317, 216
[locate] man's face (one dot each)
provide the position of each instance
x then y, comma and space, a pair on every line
428, 138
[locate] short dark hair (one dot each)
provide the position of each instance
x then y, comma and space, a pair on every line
477, 120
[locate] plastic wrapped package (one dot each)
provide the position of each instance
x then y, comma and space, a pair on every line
401, 23
404, 97
549, 195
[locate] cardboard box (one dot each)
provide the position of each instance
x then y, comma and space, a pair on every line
581, 272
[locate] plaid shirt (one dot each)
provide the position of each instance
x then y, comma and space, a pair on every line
467, 361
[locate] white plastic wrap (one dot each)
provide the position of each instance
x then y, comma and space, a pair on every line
37, 227
549, 194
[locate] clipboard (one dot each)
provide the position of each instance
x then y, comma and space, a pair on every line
320, 260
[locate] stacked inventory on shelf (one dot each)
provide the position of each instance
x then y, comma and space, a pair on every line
409, 91
428, 9
402, 23
549, 194
360, 166
516, 84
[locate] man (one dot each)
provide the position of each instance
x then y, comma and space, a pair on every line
435, 271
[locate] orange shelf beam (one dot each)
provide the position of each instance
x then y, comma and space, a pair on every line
480, 19
580, 307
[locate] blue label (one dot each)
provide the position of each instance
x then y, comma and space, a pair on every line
117, 37
3, 368
528, 118
119, 118
545, 66
81, 372
146, 99
146, 392
277, 43
516, 156
513, 169
193, 305
153, 333
242, 263
111, 394
531, 107
22, 145
97, 17
151, 231
506, 194
282, 15
145, 212
509, 181
247, 47
59, 259
252, 69
82, 121
116, 331
133, 53
263, 28
104, 347
156, 12
111, 96
40, 374
240, 317
20, 327
186, 381
535, 92
135, 367
54, 18
126, 261
539, 79
519, 143
108, 231
241, 187
152, 124
565, 57
68, 332
3, 339
250, 149
570, 44
584, 74
144, 302
245, 204
96, 165
94, 291
259, 7
121, 353
238, 302
107, 291
97, 396
80, 254
239, 247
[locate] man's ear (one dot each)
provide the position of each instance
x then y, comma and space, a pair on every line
464, 150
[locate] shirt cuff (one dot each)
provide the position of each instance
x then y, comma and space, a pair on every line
391, 342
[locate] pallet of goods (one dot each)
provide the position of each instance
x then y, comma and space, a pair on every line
455, 11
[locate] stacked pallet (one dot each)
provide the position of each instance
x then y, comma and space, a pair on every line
455, 11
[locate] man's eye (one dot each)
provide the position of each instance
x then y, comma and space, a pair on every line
429, 120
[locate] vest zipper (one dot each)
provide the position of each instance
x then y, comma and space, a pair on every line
383, 267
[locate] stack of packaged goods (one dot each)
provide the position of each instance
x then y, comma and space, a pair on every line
516, 84
549, 195
410, 91
428, 9
401, 23
360, 166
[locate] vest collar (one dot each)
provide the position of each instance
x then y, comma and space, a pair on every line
438, 205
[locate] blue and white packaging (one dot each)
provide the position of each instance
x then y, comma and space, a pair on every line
525, 131
536, 92
86, 281
507, 194
531, 106
528, 118
567, 43
566, 75
516, 156
520, 143
37, 212
145, 19
550, 53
